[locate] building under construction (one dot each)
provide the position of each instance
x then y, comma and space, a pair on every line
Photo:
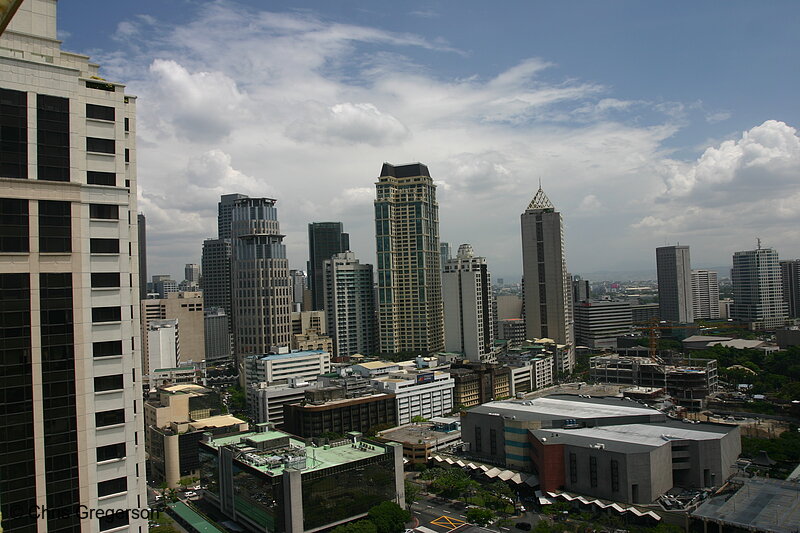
688, 383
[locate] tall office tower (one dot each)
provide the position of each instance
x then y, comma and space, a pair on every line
259, 278
674, 271
163, 284
217, 335
790, 284
705, 294
757, 291
299, 284
187, 309
325, 239
467, 301
69, 286
599, 323
216, 281
581, 292
192, 273
142, 226
547, 288
410, 317
445, 252
349, 305
224, 210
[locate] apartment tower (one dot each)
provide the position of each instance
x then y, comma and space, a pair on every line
757, 292
674, 271
547, 287
69, 288
705, 295
259, 278
349, 305
467, 301
410, 315
790, 284
325, 239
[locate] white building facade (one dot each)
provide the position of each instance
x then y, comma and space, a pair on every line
705, 294
757, 292
425, 394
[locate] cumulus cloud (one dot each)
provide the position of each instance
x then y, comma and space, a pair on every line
348, 123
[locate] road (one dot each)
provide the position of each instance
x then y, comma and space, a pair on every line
437, 515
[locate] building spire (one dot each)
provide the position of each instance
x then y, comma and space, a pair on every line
540, 200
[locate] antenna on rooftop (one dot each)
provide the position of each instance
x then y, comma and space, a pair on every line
758, 242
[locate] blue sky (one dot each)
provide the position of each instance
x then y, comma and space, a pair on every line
647, 122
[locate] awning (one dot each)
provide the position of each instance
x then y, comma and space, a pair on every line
505, 475
493, 473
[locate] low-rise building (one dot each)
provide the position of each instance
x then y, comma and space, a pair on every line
267, 402
270, 481
419, 441
426, 393
328, 410
279, 368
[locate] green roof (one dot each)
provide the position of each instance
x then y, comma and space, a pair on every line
197, 522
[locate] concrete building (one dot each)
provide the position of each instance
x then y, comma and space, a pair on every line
581, 291
508, 306
70, 365
705, 295
467, 298
325, 239
547, 288
176, 418
644, 313
349, 302
216, 282
530, 371
163, 284
187, 309
790, 285
218, 341
279, 368
445, 253
225, 215
299, 284
418, 393
757, 292
261, 296
191, 272
599, 323
410, 317
674, 270
421, 440
477, 383
267, 402
270, 481
512, 330
329, 410
163, 345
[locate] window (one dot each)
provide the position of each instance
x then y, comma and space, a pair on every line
100, 86
14, 230
101, 112
101, 178
103, 280
107, 383
52, 143
593, 471
127, 155
104, 211
109, 418
103, 146
112, 521
106, 348
127, 124
13, 134
106, 314
55, 227
104, 246
112, 451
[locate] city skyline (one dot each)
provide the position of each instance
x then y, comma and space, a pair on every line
623, 130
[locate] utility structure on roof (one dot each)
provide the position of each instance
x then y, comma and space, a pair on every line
547, 290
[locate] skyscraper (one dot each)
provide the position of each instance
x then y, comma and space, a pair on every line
445, 253
547, 288
790, 284
191, 272
757, 291
705, 294
216, 281
224, 209
410, 315
674, 272
261, 296
349, 305
467, 301
325, 239
69, 326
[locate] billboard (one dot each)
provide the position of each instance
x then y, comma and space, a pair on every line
425, 377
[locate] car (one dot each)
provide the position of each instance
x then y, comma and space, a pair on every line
191, 494
522, 508
524, 526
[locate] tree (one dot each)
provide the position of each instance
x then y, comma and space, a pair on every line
480, 517
453, 482
412, 492
362, 526
389, 517
417, 419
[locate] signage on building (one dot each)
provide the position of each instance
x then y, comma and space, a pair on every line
425, 377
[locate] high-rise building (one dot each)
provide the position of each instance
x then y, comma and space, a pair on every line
187, 309
217, 335
163, 284
410, 316
599, 323
224, 210
757, 292
325, 239
192, 273
261, 296
163, 344
69, 327
467, 299
446, 253
216, 281
790, 284
299, 283
581, 291
142, 227
705, 294
349, 305
547, 289
674, 271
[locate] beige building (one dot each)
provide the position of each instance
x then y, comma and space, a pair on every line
187, 309
308, 332
176, 418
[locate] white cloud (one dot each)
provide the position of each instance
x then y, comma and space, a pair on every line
347, 123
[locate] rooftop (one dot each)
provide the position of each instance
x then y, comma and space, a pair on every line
219, 421
290, 355
295, 453
375, 365
186, 388
558, 407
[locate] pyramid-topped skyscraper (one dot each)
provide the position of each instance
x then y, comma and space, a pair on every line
546, 297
